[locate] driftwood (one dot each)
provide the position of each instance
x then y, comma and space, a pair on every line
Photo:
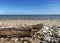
14, 33
27, 28
16, 29
20, 32
38, 26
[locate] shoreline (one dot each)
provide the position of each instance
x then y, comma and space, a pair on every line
30, 22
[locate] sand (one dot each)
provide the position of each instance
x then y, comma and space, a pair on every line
29, 22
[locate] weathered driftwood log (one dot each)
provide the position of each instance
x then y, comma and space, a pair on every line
27, 28
20, 32
38, 26
14, 34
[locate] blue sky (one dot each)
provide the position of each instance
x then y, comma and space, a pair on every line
29, 6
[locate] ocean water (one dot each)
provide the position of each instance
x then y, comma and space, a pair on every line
31, 17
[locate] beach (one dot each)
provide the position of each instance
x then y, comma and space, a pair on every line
14, 30
29, 22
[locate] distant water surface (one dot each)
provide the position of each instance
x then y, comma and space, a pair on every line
31, 17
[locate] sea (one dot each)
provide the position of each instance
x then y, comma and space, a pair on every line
31, 17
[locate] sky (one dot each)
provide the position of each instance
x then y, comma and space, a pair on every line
29, 6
